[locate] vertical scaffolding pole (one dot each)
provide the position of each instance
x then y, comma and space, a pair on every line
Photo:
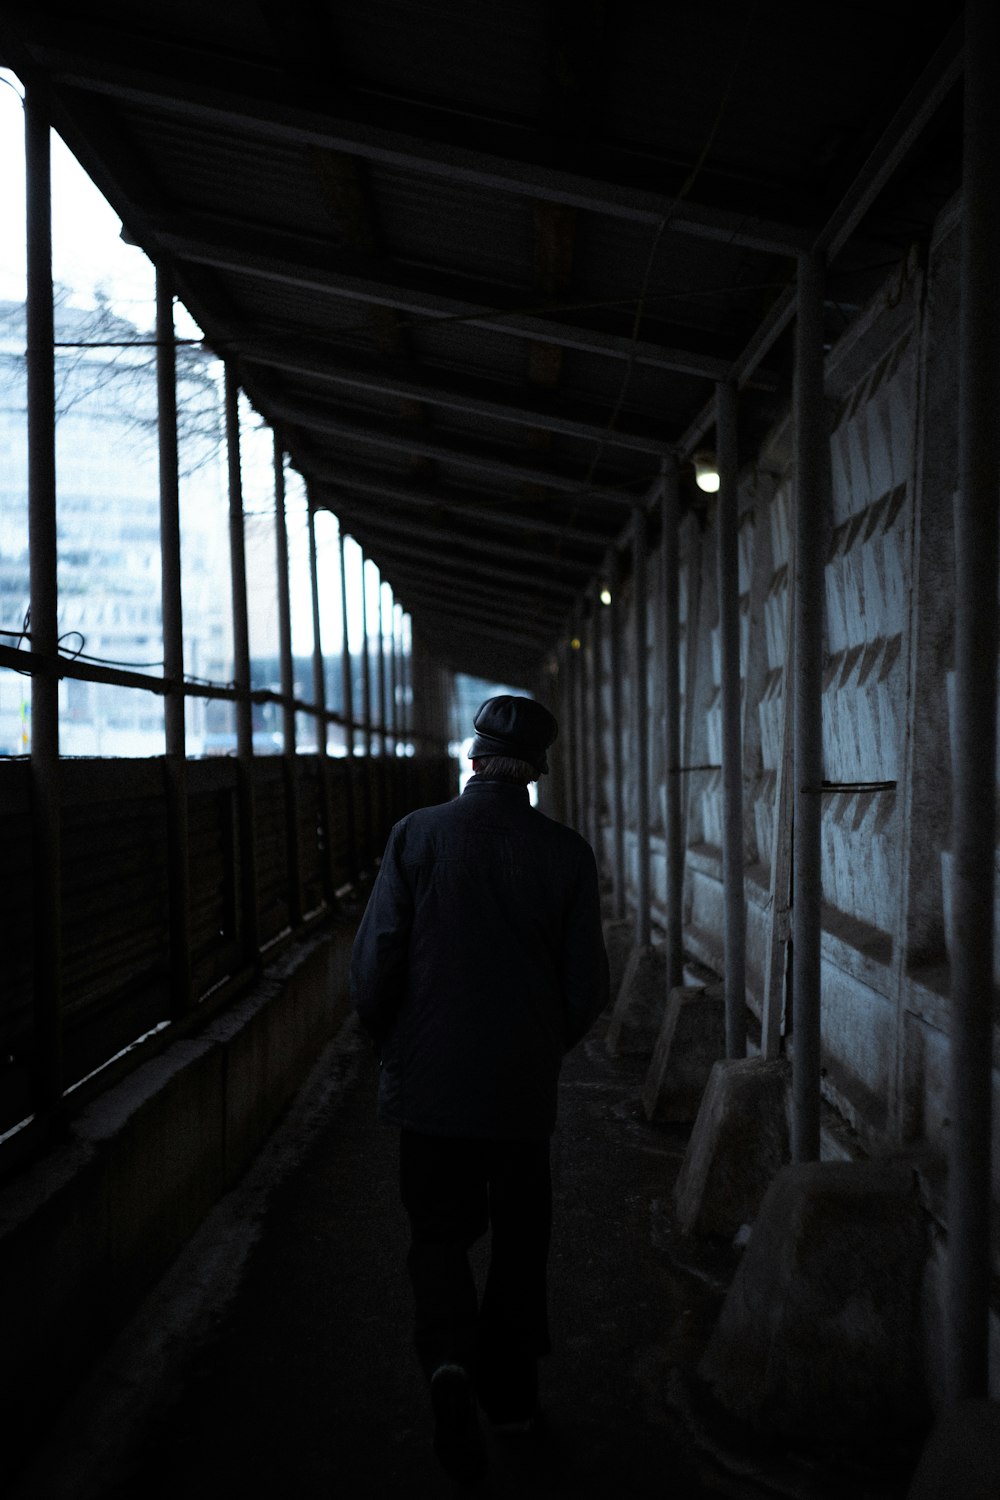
287, 670
728, 571
241, 677
597, 724
812, 483
673, 830
319, 702
405, 706
571, 692
394, 713
366, 716
43, 624
383, 789
175, 763
580, 719
640, 722
354, 862
617, 769
974, 804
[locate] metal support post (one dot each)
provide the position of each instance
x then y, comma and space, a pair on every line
44, 630
287, 667
617, 768
394, 714
175, 763
596, 737
812, 486
974, 796
319, 702
383, 789
673, 820
408, 707
241, 677
580, 722
727, 514
354, 862
640, 723
366, 715
568, 712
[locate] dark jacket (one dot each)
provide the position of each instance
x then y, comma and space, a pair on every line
479, 962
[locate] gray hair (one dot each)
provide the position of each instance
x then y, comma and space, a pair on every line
505, 768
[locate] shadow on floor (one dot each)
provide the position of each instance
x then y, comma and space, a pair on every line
275, 1357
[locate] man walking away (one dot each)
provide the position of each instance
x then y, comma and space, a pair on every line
479, 962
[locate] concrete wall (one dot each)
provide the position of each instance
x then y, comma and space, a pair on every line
893, 413
86, 1232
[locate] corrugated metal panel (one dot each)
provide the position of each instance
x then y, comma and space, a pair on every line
448, 225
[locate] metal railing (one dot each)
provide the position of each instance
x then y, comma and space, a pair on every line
119, 995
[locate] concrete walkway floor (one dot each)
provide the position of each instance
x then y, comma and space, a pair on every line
274, 1359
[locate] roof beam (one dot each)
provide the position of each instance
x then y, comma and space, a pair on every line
359, 481
295, 359
288, 259
474, 627
440, 563
172, 76
479, 600
315, 420
493, 596
377, 522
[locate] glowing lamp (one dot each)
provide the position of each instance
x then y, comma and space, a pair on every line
706, 472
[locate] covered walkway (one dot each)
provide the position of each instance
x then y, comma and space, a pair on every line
274, 1356
644, 358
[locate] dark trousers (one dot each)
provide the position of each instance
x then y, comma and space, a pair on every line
454, 1190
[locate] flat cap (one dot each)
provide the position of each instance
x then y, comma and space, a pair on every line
519, 727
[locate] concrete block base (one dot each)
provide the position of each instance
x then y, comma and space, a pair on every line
642, 998
818, 1335
962, 1458
619, 936
739, 1142
691, 1040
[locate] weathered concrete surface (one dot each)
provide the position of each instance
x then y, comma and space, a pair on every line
819, 1329
85, 1231
619, 936
962, 1457
740, 1140
642, 997
692, 1039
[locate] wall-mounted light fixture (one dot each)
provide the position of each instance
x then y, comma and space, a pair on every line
706, 472
605, 596
575, 643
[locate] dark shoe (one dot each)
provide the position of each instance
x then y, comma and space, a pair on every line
458, 1441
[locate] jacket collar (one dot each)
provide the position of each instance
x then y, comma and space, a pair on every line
510, 791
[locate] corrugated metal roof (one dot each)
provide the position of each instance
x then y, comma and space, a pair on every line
450, 244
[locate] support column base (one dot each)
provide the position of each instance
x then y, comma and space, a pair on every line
819, 1332
740, 1140
619, 933
642, 998
691, 1040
